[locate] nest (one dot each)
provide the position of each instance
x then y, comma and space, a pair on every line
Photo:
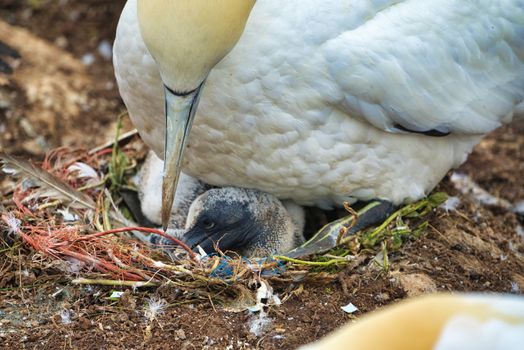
68, 210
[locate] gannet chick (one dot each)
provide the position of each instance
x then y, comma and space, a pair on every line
249, 222
149, 183
150, 192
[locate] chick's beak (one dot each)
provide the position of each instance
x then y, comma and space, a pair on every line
180, 111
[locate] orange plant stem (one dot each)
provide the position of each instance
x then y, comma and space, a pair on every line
141, 229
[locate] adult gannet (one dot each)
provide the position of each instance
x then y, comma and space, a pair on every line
319, 101
440, 322
246, 221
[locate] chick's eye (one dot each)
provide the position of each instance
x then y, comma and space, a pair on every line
208, 223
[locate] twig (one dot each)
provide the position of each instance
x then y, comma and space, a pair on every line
312, 263
140, 229
401, 212
122, 139
50, 204
103, 282
344, 230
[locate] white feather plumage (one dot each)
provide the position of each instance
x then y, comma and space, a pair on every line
306, 105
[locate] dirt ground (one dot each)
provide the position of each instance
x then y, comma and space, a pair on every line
63, 93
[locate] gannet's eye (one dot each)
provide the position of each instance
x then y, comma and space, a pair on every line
208, 223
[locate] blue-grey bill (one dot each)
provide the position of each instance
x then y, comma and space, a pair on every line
180, 111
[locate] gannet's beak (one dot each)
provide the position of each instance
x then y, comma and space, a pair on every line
180, 111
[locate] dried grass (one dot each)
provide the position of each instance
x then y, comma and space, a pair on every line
94, 252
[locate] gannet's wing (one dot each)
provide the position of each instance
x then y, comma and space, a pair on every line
437, 65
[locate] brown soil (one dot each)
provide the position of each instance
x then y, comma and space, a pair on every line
54, 99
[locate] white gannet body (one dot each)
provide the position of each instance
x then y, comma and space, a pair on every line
441, 322
326, 101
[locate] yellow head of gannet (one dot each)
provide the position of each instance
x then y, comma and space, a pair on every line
205, 31
441, 321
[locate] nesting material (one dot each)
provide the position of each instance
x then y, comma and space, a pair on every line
68, 210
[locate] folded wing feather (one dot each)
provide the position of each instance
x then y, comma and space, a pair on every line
447, 65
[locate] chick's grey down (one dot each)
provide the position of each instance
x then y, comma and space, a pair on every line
247, 222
